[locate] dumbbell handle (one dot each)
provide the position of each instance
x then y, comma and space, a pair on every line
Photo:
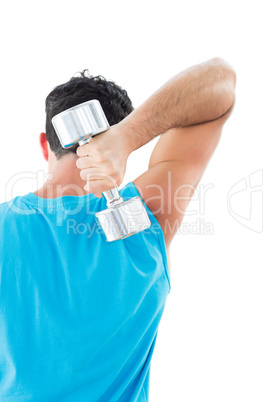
78, 125
112, 196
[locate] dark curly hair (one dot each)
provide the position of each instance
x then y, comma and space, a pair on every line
81, 88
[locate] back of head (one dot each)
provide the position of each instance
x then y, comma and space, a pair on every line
84, 87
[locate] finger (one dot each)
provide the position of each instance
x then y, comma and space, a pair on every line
98, 195
84, 162
94, 174
85, 149
87, 162
99, 186
106, 169
92, 170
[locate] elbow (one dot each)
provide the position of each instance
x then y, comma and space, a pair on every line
226, 81
225, 70
231, 87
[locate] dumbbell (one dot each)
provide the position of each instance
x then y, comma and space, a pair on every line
78, 125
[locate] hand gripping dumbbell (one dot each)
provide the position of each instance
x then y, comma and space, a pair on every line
78, 125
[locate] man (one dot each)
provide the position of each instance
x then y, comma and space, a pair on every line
79, 317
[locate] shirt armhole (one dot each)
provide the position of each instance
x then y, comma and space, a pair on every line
132, 189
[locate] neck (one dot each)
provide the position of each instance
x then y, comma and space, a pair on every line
63, 178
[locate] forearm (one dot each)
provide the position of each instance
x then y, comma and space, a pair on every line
199, 94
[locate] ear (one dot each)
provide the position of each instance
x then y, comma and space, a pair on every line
44, 145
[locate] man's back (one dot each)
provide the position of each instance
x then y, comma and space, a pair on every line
79, 316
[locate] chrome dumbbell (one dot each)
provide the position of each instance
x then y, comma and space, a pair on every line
78, 125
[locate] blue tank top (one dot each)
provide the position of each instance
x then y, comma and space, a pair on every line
78, 316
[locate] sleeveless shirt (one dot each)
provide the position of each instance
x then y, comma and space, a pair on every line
78, 316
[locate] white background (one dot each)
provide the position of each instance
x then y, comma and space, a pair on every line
212, 341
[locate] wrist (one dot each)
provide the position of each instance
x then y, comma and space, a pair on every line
128, 136
136, 131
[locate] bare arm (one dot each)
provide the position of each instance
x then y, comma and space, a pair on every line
197, 95
190, 111
175, 169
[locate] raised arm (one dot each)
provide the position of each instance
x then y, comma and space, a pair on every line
189, 111
197, 95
